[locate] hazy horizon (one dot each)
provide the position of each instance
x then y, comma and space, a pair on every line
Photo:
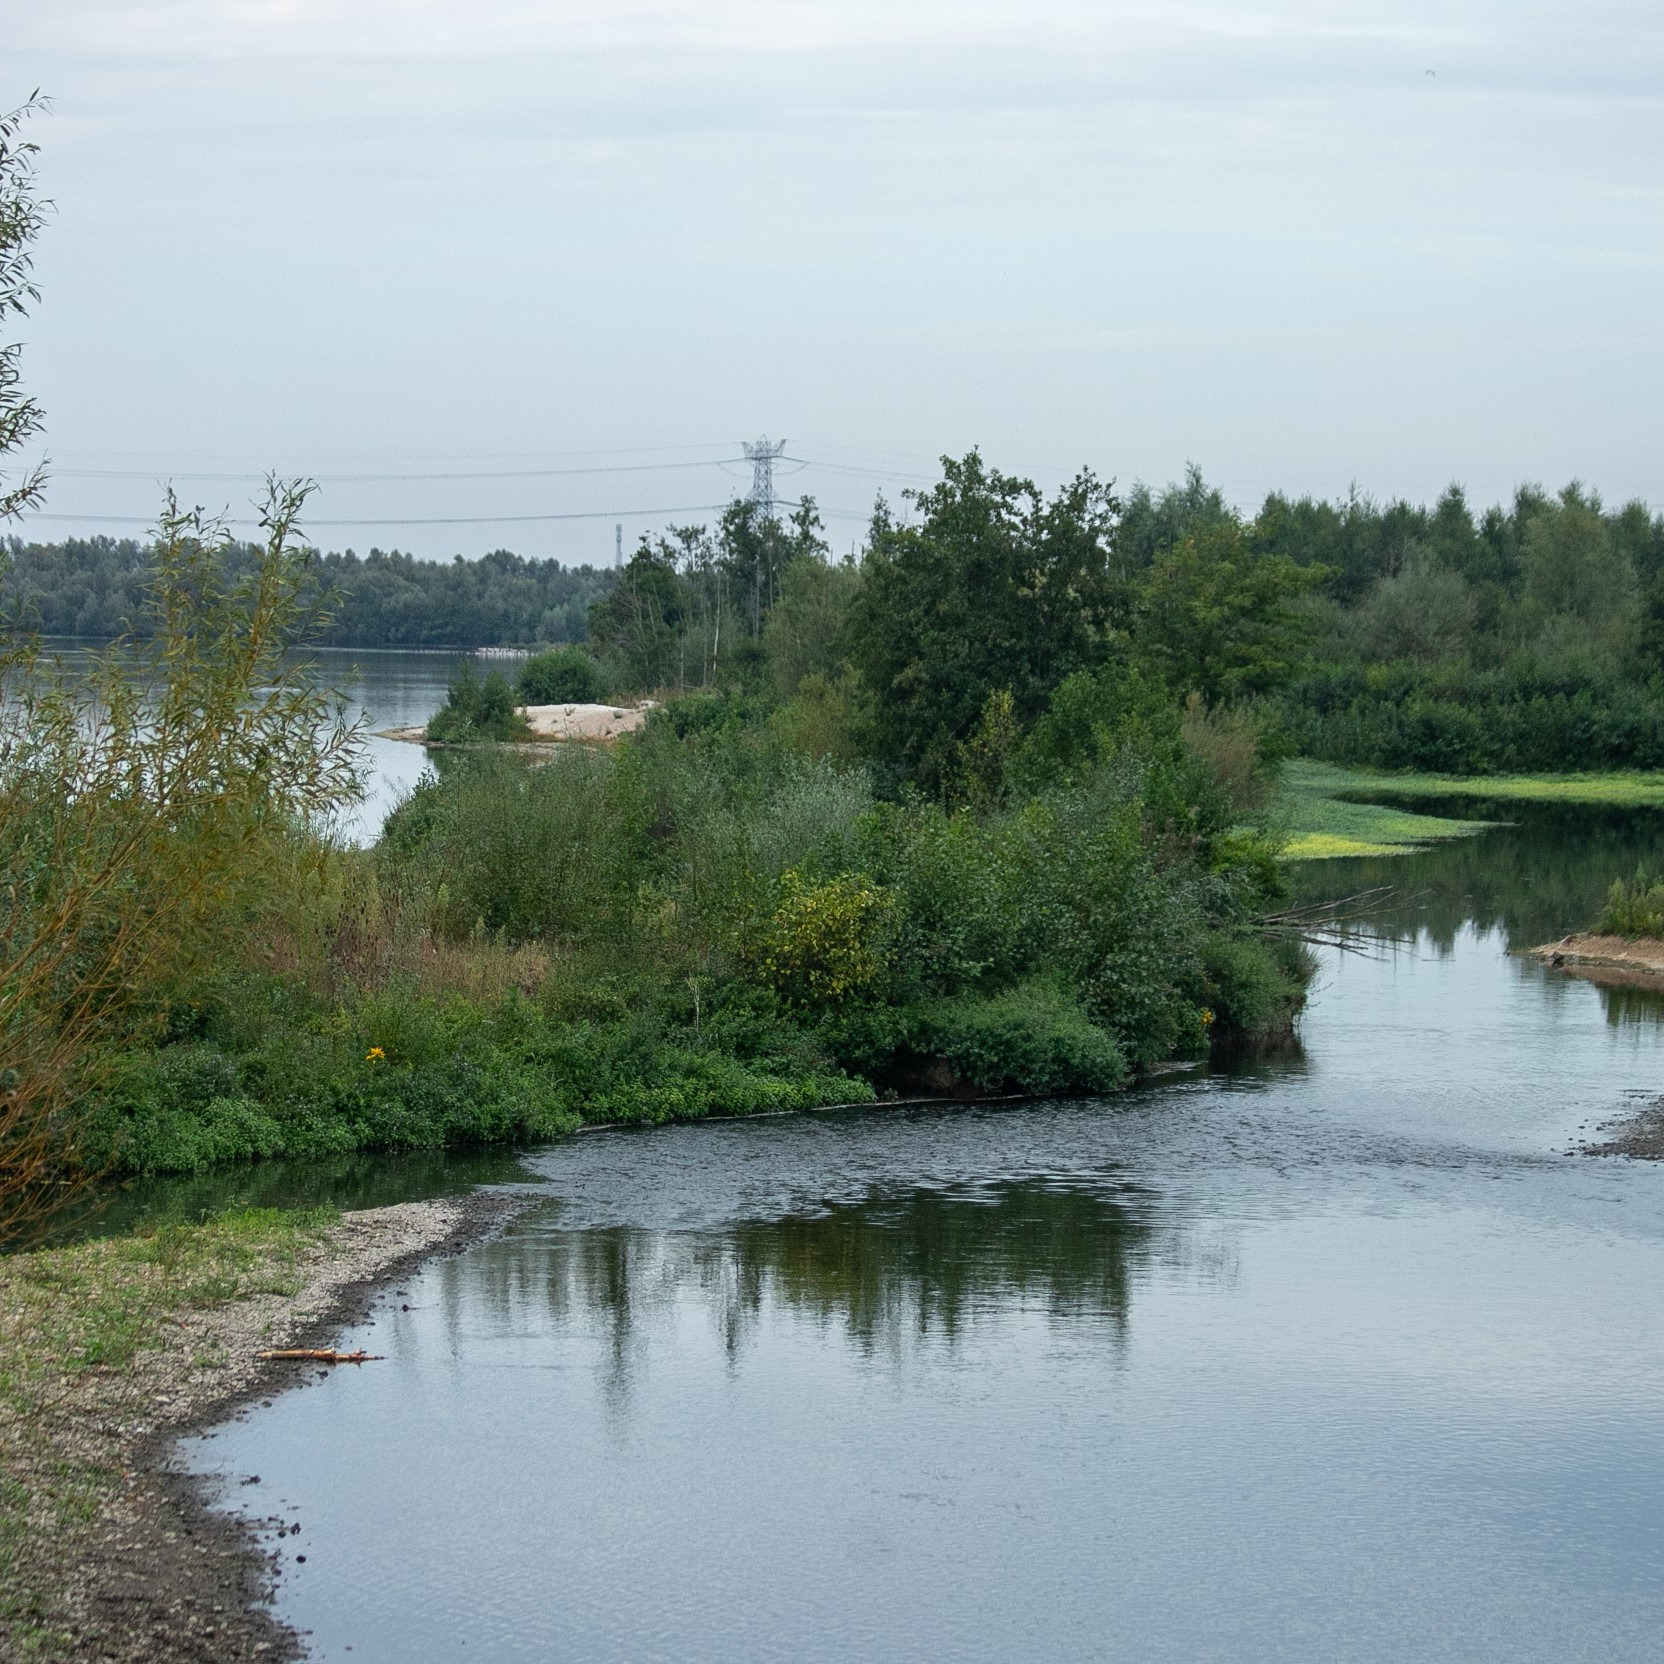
1302, 246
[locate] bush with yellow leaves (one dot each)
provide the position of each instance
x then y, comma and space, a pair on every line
824, 943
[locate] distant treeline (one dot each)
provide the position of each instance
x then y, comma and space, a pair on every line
1528, 638
92, 587
1525, 636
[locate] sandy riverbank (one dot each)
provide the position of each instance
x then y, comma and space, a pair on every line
1634, 961
110, 1352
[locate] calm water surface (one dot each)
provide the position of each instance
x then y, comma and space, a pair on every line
1335, 1357
391, 688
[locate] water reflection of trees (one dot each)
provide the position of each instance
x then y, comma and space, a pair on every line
1625, 1006
1544, 875
922, 1265
924, 1262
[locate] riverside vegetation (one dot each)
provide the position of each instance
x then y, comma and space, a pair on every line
989, 811
994, 847
1526, 638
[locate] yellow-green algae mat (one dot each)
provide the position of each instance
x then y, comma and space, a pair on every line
1321, 825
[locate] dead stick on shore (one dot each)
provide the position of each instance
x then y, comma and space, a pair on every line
314, 1355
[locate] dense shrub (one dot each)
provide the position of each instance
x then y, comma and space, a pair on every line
1253, 986
565, 676
400, 1073
1032, 1038
476, 708
1635, 908
1407, 716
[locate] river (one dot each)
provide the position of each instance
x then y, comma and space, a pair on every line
1333, 1355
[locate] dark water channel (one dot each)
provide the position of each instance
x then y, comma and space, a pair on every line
1336, 1356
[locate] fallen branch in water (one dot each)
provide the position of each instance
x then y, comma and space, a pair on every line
315, 1355
1323, 924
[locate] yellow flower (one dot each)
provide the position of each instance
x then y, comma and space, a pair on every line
1207, 1019
375, 1055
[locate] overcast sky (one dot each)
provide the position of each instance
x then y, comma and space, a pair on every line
1302, 245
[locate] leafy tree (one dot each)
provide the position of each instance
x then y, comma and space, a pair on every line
1570, 563
1650, 633
1425, 613
1638, 534
808, 624
1152, 522
1455, 544
992, 588
476, 708
1357, 541
1221, 620
756, 551
640, 622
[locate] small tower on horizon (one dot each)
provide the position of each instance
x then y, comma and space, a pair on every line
618, 543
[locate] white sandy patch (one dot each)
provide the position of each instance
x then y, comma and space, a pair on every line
584, 722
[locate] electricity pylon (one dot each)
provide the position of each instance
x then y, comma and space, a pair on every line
761, 456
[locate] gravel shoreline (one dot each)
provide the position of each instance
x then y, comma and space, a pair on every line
1639, 1136
155, 1576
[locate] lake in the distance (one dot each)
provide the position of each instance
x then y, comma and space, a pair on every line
1336, 1356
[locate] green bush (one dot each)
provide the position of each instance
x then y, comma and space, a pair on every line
565, 676
560, 850
1033, 1038
476, 708
1635, 908
1253, 987
1524, 720
397, 1073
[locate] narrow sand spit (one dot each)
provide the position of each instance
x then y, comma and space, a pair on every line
1583, 952
157, 1578
594, 724
584, 722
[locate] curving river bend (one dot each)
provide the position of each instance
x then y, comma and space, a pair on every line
1336, 1356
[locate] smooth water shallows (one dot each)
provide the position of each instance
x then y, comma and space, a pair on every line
1340, 1357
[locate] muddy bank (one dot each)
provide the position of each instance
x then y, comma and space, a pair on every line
114, 1555
1610, 960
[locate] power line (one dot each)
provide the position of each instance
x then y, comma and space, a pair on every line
439, 520
849, 468
355, 479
